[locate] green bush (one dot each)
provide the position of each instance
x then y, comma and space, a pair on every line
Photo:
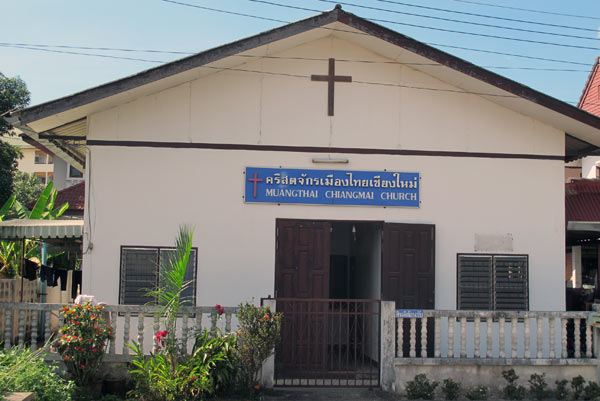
420, 388
24, 370
170, 374
538, 386
512, 391
451, 389
83, 340
259, 333
562, 390
591, 391
477, 393
577, 384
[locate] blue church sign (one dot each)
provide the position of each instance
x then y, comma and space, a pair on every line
331, 187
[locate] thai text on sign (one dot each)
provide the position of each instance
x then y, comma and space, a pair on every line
332, 187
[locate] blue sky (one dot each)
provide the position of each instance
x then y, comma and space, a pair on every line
166, 26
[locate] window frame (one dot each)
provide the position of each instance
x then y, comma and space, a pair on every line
158, 249
493, 294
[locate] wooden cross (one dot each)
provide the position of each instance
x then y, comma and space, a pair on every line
331, 79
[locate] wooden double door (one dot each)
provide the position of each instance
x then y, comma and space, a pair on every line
302, 273
407, 262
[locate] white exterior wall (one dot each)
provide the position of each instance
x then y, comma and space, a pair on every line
139, 196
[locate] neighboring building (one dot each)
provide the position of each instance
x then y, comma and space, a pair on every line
454, 174
34, 161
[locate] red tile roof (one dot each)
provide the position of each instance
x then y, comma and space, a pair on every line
590, 97
582, 200
75, 195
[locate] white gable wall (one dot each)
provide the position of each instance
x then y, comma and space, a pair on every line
139, 196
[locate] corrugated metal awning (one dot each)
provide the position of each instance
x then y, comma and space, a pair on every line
41, 229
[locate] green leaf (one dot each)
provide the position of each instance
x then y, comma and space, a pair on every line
40, 205
7, 206
22, 211
56, 213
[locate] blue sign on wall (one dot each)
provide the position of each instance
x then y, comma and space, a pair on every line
331, 187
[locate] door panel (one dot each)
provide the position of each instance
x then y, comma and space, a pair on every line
302, 260
408, 265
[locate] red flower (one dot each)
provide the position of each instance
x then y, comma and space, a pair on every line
82, 366
67, 358
220, 309
256, 387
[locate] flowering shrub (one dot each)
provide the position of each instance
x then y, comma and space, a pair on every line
82, 340
171, 374
259, 333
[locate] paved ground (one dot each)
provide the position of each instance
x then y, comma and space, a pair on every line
327, 394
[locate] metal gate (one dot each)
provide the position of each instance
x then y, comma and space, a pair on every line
328, 343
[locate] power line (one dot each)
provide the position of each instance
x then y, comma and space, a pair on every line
451, 20
224, 11
528, 10
509, 54
444, 29
488, 16
47, 48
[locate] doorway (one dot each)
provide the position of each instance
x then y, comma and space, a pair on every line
329, 279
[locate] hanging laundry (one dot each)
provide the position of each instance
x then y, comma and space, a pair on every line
62, 274
52, 277
75, 282
46, 273
30, 268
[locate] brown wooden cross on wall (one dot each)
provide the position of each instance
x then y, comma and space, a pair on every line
331, 79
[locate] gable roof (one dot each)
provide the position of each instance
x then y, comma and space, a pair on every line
48, 118
75, 195
590, 96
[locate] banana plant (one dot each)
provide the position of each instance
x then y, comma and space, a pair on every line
44, 209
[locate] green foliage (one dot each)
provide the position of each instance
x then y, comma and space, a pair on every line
591, 391
477, 393
170, 374
22, 370
9, 160
27, 187
82, 341
512, 391
13, 95
450, 389
10, 251
562, 390
577, 384
172, 281
259, 332
538, 386
420, 388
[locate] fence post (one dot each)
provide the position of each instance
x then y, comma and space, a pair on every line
388, 345
596, 341
268, 368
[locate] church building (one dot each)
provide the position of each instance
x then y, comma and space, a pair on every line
331, 158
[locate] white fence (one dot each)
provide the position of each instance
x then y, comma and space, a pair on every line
495, 334
130, 323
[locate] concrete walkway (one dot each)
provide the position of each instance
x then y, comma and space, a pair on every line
327, 394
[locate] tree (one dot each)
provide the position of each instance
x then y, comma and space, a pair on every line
9, 160
27, 187
14, 95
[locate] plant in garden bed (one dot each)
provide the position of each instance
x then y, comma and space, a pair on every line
82, 341
591, 391
512, 391
420, 387
538, 386
577, 384
450, 389
259, 333
23, 370
562, 390
477, 393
